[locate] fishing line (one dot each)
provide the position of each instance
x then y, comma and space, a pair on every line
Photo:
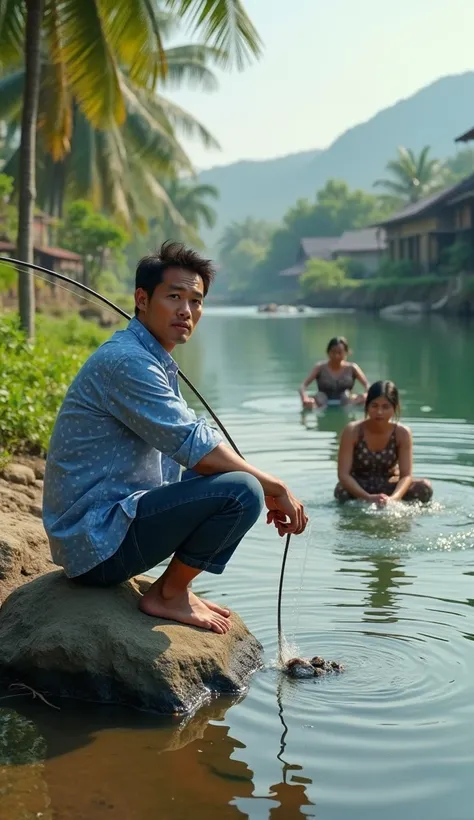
38, 269
47, 279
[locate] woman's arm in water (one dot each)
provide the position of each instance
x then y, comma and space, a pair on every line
405, 462
344, 464
307, 401
360, 376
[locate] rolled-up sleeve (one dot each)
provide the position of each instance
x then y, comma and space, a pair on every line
140, 395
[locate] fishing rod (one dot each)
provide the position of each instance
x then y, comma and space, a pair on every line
17, 263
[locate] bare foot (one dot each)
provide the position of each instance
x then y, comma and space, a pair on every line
183, 607
221, 610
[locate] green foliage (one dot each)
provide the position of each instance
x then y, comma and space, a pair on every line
390, 269
321, 274
34, 377
95, 237
6, 188
105, 130
458, 258
353, 268
459, 166
257, 230
336, 209
8, 277
224, 24
8, 221
404, 282
242, 248
190, 210
72, 331
412, 177
242, 264
8, 213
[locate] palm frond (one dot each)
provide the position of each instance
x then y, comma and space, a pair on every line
112, 166
181, 121
189, 64
12, 166
201, 190
82, 170
205, 213
90, 63
12, 31
153, 137
154, 194
390, 185
224, 24
11, 94
133, 30
55, 117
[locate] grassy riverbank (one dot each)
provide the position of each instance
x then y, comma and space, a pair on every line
34, 378
446, 295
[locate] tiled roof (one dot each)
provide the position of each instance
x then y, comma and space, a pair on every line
416, 209
319, 247
60, 253
365, 240
467, 137
57, 253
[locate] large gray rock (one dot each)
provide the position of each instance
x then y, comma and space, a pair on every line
403, 308
96, 645
24, 548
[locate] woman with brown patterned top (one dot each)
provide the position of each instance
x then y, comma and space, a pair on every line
376, 454
335, 378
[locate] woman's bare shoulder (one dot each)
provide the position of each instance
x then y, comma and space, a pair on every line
352, 430
403, 432
319, 365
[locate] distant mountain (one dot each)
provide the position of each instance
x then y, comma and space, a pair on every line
434, 116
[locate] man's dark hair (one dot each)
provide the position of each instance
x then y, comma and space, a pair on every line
150, 269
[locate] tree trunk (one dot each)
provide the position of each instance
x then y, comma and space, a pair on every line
27, 171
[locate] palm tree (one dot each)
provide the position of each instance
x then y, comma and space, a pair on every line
118, 169
459, 166
88, 41
189, 200
27, 159
255, 230
413, 177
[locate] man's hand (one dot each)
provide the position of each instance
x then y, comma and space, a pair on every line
286, 513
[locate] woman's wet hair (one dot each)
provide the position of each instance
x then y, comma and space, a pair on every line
338, 340
385, 389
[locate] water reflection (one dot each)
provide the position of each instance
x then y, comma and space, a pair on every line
382, 577
291, 791
137, 765
90, 759
23, 790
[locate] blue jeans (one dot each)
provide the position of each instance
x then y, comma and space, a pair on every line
200, 520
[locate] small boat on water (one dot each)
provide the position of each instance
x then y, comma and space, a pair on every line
272, 307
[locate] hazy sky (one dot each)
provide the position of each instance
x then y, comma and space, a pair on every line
327, 66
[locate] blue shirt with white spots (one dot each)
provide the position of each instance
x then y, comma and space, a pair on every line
123, 429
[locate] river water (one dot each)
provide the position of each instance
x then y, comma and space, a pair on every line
387, 592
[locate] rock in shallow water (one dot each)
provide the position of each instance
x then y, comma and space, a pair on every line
94, 644
305, 668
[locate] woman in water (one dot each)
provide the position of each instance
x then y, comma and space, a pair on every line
376, 454
335, 378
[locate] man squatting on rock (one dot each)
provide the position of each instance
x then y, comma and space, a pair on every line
115, 503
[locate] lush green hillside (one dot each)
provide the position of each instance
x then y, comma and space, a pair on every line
265, 189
